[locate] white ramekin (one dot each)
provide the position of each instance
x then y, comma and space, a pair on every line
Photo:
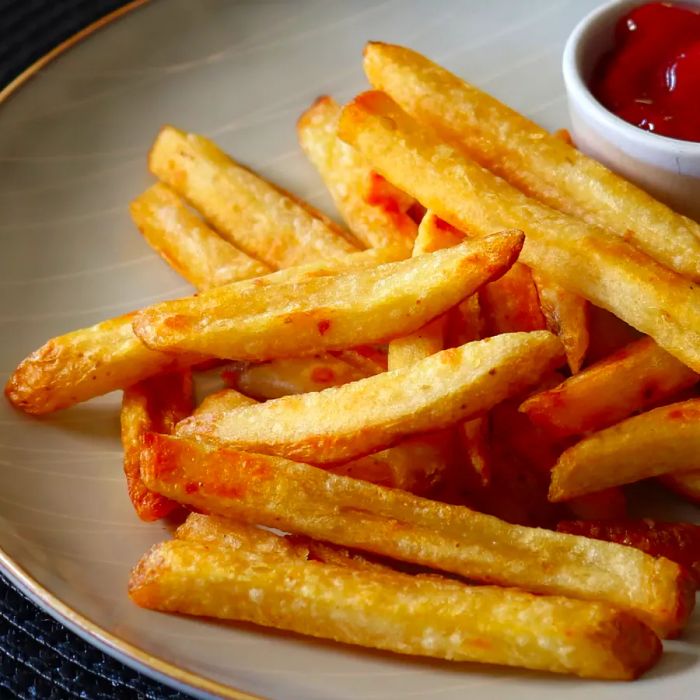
668, 168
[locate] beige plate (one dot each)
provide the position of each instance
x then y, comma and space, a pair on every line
73, 141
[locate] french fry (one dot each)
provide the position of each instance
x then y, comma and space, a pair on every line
679, 542
474, 438
355, 419
611, 274
368, 359
378, 225
423, 615
541, 165
414, 465
93, 361
86, 363
662, 441
295, 497
262, 220
566, 315
629, 381
296, 375
186, 243
229, 533
153, 405
405, 351
331, 313
511, 303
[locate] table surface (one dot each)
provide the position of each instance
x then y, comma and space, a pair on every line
39, 657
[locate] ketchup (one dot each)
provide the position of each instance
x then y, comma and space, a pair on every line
652, 77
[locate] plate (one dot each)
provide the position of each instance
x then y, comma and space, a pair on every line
73, 142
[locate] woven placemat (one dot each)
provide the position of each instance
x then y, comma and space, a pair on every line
39, 658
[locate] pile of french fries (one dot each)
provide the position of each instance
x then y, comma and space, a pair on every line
439, 405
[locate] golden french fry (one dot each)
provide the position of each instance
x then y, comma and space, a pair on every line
262, 220
368, 359
611, 274
254, 540
373, 413
347, 176
156, 404
93, 361
296, 375
662, 441
331, 313
540, 164
186, 243
86, 363
511, 303
295, 497
424, 615
634, 378
414, 465
566, 315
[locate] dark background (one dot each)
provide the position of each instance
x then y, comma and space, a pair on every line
39, 658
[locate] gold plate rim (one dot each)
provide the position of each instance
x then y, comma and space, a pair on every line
78, 623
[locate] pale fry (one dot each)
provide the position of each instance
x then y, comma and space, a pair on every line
296, 375
155, 404
474, 437
347, 177
662, 441
93, 361
540, 164
295, 497
254, 540
611, 274
258, 217
414, 465
393, 611
373, 413
634, 378
186, 243
334, 313
566, 315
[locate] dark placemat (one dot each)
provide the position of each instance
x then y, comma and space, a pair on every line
39, 658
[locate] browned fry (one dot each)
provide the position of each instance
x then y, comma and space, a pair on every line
186, 243
540, 164
581, 257
347, 177
634, 378
374, 607
662, 441
265, 222
86, 363
295, 497
566, 315
153, 405
334, 313
355, 419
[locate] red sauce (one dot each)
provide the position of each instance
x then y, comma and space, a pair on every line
652, 76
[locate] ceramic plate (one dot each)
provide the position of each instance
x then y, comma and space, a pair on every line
73, 142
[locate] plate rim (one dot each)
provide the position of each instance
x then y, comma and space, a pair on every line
157, 668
